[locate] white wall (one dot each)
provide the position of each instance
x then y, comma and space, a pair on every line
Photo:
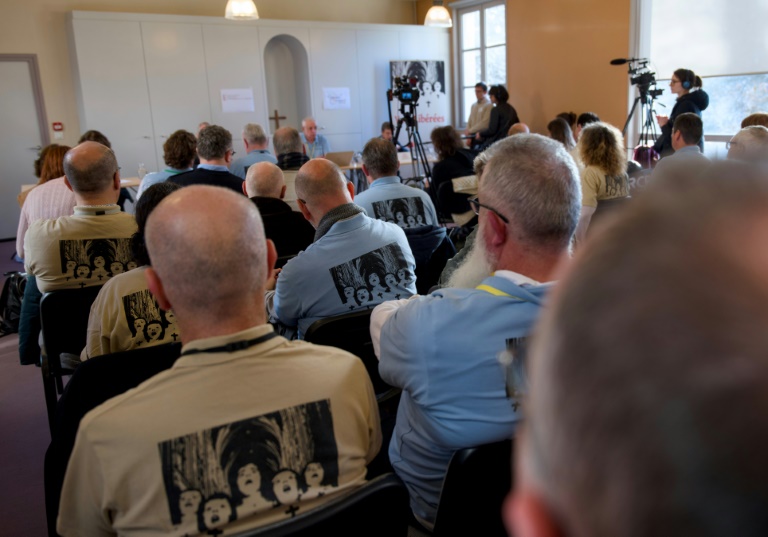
143, 76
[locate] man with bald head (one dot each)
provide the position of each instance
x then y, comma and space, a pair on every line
246, 428
355, 262
287, 228
77, 251
443, 349
315, 144
649, 372
518, 128
749, 144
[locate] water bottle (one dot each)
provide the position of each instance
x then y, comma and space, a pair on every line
142, 171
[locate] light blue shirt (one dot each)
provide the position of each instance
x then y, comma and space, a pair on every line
389, 200
689, 154
319, 148
157, 177
357, 264
442, 350
240, 166
214, 167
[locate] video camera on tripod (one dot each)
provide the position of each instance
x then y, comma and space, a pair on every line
640, 75
407, 93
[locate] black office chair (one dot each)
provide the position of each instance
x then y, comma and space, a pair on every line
351, 332
64, 325
477, 481
377, 509
432, 248
94, 382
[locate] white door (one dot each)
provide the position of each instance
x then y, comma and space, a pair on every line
20, 140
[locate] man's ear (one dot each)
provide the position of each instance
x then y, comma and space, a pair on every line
156, 288
282, 191
116, 181
245, 190
66, 182
526, 515
499, 229
351, 189
304, 211
271, 257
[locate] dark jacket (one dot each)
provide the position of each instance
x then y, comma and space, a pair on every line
288, 229
503, 116
441, 189
695, 102
202, 176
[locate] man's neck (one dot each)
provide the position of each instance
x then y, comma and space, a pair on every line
107, 198
539, 266
215, 162
206, 326
251, 148
310, 140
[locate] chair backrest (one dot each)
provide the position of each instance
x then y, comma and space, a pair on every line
432, 248
379, 508
351, 332
477, 481
94, 382
64, 321
340, 158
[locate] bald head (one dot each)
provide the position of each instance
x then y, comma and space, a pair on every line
208, 249
266, 180
518, 128
287, 140
321, 185
90, 168
750, 144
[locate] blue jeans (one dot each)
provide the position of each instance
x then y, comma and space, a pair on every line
29, 324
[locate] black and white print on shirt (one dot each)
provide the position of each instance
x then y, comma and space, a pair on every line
405, 212
92, 261
374, 277
149, 325
274, 462
616, 186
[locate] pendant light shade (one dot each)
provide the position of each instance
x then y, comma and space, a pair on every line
241, 10
438, 16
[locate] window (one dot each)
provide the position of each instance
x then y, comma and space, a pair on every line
482, 50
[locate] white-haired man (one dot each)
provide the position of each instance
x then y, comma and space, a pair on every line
256, 143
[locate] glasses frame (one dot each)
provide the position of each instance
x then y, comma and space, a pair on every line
475, 204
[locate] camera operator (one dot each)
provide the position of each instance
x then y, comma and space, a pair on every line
690, 98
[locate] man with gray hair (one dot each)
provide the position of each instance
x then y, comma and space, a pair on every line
214, 147
315, 144
749, 144
287, 228
387, 198
649, 372
77, 251
246, 428
256, 142
443, 349
355, 263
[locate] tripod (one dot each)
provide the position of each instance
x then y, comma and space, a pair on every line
647, 134
415, 145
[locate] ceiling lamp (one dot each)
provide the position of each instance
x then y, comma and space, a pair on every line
438, 16
241, 10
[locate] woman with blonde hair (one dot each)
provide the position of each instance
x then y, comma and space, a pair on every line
604, 180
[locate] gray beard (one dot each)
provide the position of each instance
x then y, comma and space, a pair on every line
476, 267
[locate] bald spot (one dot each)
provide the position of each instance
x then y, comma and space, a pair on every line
287, 140
90, 167
264, 179
319, 180
207, 246
518, 128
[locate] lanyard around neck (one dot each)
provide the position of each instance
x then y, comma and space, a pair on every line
234, 346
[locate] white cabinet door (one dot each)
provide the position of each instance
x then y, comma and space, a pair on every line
177, 78
113, 89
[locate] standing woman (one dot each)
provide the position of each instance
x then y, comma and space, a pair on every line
690, 98
503, 116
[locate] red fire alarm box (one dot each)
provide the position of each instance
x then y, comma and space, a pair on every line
58, 126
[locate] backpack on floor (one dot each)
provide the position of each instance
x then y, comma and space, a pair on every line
10, 302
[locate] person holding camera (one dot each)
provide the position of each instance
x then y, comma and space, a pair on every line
690, 98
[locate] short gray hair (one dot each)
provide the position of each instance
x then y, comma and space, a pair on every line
534, 182
90, 175
287, 140
254, 134
478, 165
214, 142
380, 158
752, 142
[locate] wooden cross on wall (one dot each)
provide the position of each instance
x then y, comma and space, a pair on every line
276, 118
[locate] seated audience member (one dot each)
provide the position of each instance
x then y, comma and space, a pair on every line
387, 198
228, 438
387, 133
290, 158
49, 199
77, 251
256, 142
650, 422
179, 152
479, 113
98, 137
503, 116
214, 147
604, 178
453, 161
288, 229
758, 118
315, 144
686, 135
582, 121
454, 393
356, 262
570, 118
749, 144
125, 316
518, 128
560, 130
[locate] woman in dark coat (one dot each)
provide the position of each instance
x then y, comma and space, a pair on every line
454, 160
690, 98
503, 116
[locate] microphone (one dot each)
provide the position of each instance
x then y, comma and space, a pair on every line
622, 61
